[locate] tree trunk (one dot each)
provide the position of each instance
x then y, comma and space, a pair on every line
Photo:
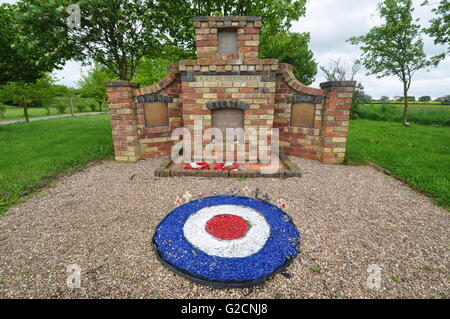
405, 107
100, 106
123, 72
25, 109
71, 106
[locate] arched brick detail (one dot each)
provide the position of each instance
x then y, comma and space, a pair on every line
227, 104
172, 71
287, 74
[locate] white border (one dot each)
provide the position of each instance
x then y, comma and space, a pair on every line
195, 232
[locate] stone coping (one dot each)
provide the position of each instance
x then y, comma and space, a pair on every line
295, 98
290, 169
121, 84
148, 98
334, 84
227, 104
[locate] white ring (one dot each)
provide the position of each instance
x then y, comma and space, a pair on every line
195, 232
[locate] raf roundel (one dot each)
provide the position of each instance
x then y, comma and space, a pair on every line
227, 241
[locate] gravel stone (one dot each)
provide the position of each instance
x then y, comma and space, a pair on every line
103, 219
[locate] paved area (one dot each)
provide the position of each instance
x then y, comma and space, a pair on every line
102, 219
49, 117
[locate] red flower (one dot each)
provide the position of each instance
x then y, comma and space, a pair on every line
200, 165
227, 226
222, 167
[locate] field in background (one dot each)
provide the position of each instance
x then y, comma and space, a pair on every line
420, 155
419, 112
56, 107
33, 154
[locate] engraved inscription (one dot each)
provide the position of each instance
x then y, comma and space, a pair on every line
228, 78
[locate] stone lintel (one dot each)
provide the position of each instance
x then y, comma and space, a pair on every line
334, 84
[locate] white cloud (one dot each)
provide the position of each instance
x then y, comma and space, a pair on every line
69, 75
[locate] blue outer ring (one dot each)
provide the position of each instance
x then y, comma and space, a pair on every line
177, 253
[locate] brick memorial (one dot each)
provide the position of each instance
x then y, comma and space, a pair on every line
229, 86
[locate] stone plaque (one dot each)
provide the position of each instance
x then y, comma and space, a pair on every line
156, 114
227, 40
302, 114
227, 118
228, 78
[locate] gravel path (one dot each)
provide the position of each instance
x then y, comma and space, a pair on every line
103, 218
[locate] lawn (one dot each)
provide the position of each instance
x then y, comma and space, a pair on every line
32, 154
419, 154
424, 113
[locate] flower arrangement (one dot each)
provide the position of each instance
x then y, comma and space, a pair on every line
216, 167
197, 165
226, 166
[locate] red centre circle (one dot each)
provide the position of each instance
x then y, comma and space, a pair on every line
227, 227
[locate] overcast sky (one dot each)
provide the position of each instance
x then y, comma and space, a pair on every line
330, 23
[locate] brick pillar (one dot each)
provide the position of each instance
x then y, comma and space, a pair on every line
123, 114
335, 119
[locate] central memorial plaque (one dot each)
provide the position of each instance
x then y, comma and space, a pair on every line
227, 41
227, 118
228, 78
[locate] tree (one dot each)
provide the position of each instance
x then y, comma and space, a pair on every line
410, 99
384, 99
425, 98
339, 71
292, 48
395, 47
277, 15
153, 68
2, 110
445, 100
18, 56
23, 94
276, 41
440, 25
114, 33
119, 34
92, 84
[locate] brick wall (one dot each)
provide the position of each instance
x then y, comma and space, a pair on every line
123, 115
297, 141
268, 90
206, 29
336, 116
157, 141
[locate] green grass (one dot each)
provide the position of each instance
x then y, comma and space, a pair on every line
33, 154
420, 155
426, 114
16, 113
430, 269
394, 278
314, 268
